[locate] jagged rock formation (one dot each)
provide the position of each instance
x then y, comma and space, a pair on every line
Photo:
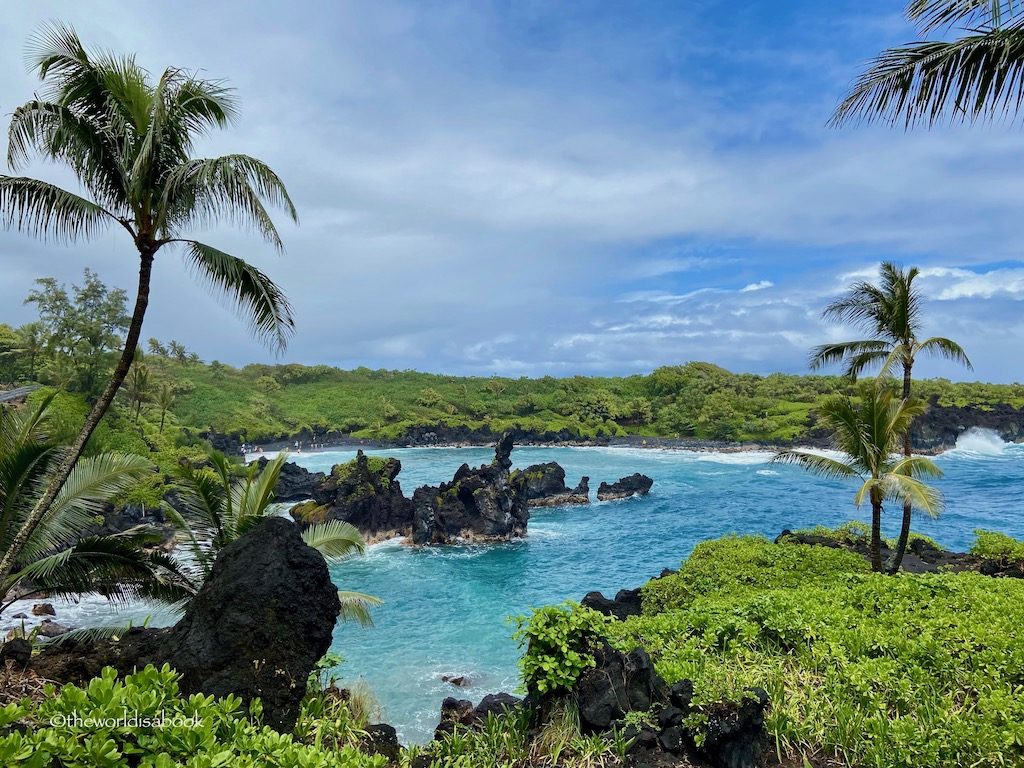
634, 485
256, 628
625, 604
940, 426
478, 504
544, 486
294, 482
363, 492
462, 712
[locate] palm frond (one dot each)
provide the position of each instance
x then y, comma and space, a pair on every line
916, 466
935, 15
979, 76
946, 348
355, 606
259, 300
831, 354
334, 539
816, 463
903, 488
46, 211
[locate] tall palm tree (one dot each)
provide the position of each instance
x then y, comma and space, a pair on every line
129, 140
891, 312
220, 506
868, 433
164, 401
977, 76
63, 556
137, 387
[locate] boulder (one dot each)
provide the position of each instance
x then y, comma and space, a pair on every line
48, 628
256, 628
478, 504
363, 492
456, 712
543, 485
43, 609
734, 736
17, 651
617, 684
625, 604
634, 485
294, 482
382, 739
138, 518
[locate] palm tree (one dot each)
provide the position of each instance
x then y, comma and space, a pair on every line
178, 351
891, 312
978, 75
164, 401
221, 506
129, 140
868, 432
136, 387
62, 556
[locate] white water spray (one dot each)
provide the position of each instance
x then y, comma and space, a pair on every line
981, 442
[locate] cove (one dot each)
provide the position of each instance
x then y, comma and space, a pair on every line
446, 609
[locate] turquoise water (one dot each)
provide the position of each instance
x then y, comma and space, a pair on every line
446, 609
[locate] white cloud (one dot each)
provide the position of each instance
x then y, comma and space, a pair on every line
758, 286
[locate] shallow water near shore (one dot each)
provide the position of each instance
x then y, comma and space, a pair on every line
445, 609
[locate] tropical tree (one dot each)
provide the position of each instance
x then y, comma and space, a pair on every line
177, 351
164, 401
868, 432
891, 313
137, 387
156, 348
979, 75
221, 505
129, 140
64, 556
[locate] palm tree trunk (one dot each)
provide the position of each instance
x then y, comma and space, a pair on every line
876, 534
901, 544
92, 421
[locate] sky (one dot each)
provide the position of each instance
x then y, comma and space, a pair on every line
530, 188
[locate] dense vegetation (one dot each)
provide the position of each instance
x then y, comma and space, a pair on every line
875, 670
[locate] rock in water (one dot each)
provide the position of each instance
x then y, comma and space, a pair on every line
255, 629
634, 485
544, 486
479, 504
363, 492
294, 482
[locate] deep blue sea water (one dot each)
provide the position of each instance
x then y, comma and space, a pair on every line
446, 609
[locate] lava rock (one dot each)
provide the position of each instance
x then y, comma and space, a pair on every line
43, 609
382, 739
459, 681
625, 604
734, 736
363, 492
17, 651
543, 485
256, 628
478, 504
48, 628
456, 712
294, 482
940, 426
634, 485
617, 684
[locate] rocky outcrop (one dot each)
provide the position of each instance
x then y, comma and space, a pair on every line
625, 604
620, 683
158, 531
461, 712
940, 426
478, 504
543, 485
634, 485
294, 482
256, 628
363, 492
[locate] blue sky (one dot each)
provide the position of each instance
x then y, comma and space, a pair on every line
532, 188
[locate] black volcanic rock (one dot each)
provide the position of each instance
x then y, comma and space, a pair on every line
544, 486
256, 628
363, 492
478, 504
294, 482
634, 485
625, 604
940, 426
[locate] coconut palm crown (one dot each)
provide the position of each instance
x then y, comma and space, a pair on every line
868, 432
129, 139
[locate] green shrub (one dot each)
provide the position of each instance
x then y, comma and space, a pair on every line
143, 721
559, 643
874, 670
998, 546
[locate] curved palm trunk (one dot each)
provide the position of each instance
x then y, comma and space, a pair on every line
92, 421
901, 544
876, 533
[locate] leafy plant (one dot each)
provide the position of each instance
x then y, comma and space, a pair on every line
559, 645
